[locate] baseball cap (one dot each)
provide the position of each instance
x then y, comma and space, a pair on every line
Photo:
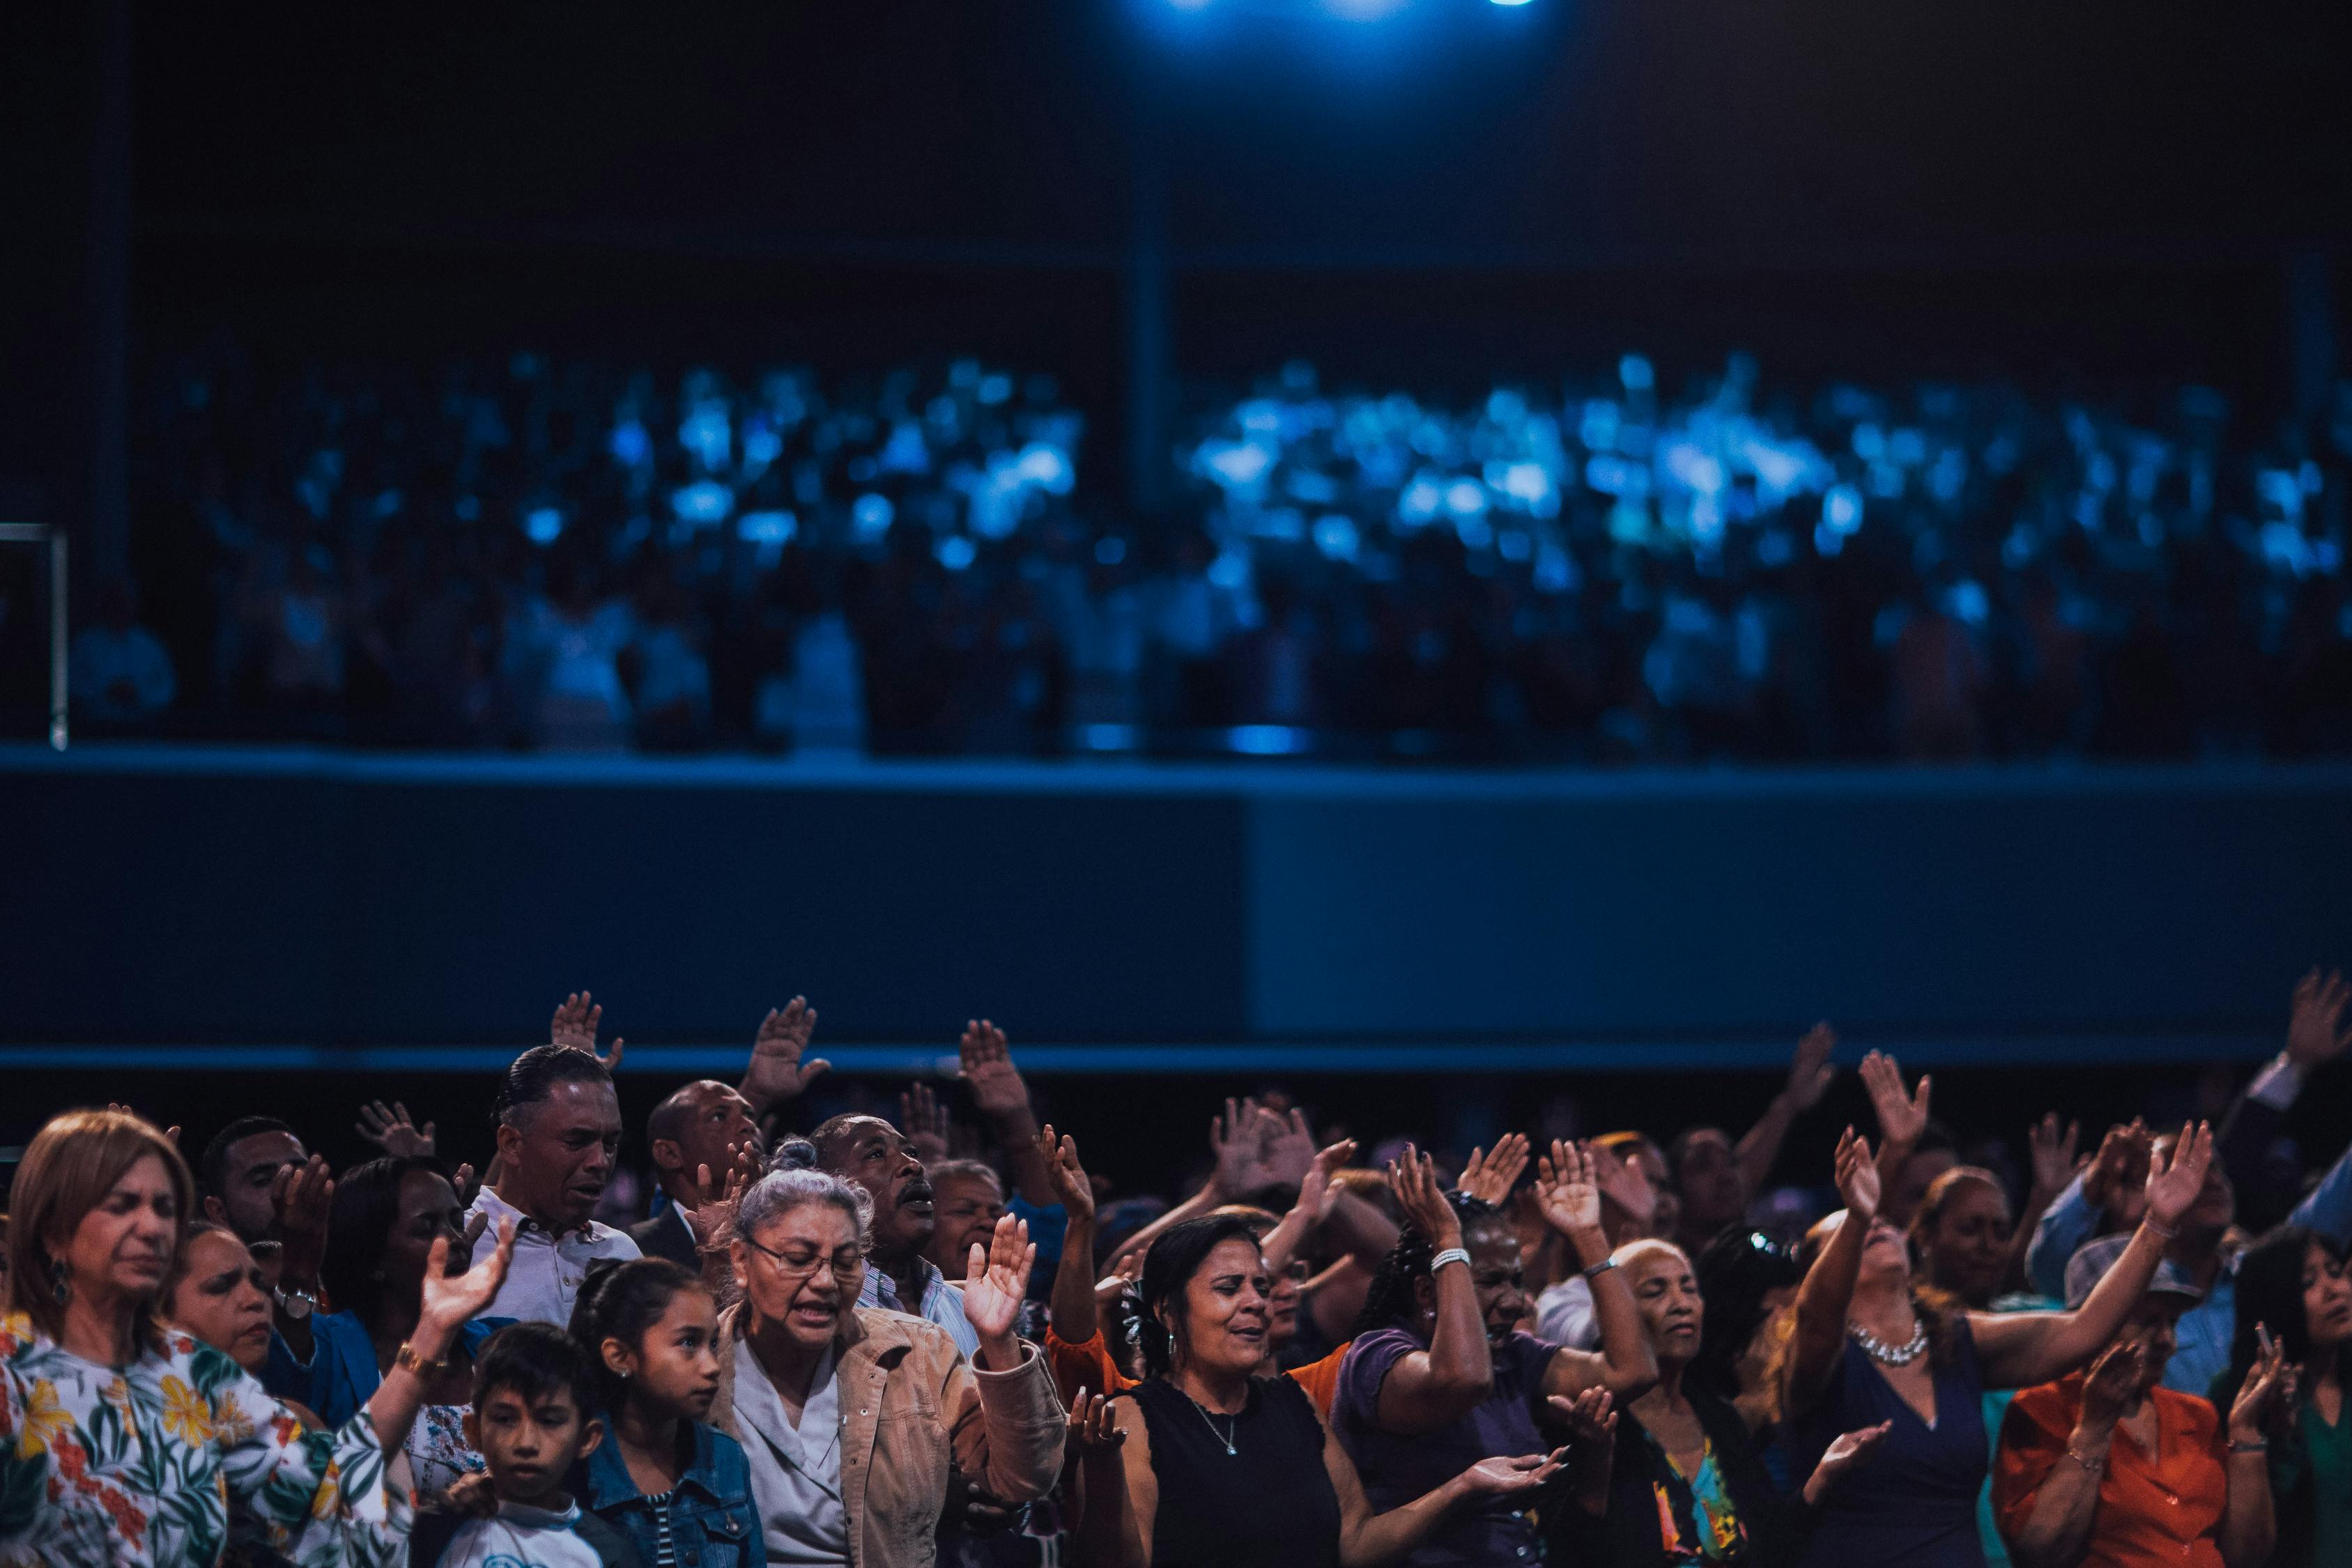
2094, 1258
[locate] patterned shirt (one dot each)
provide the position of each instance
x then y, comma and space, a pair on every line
136, 1468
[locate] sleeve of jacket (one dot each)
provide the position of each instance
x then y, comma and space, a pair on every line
1007, 1427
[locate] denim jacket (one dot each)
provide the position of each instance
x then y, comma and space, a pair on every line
710, 1517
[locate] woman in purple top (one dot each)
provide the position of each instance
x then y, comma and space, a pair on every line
1867, 1348
1440, 1377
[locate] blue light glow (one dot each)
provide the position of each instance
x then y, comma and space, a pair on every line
543, 524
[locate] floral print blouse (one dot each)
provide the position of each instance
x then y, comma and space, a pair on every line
137, 1467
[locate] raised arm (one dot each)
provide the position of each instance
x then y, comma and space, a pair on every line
2250, 1519
1235, 1138
1811, 1073
1902, 1117
1818, 1341
1071, 1305
1002, 1100
1005, 1426
2052, 1151
1315, 1201
1568, 1185
2057, 1530
776, 1075
2018, 1349
449, 1302
1427, 1389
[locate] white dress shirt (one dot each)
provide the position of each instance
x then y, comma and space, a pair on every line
545, 1277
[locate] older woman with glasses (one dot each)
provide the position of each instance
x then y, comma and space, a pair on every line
851, 1417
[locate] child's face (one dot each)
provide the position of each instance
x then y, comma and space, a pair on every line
675, 1368
529, 1444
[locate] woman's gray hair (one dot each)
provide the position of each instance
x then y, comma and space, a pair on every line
792, 1182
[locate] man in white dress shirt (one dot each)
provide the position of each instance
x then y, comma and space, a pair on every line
559, 1129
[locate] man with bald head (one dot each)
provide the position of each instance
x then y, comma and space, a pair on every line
701, 1127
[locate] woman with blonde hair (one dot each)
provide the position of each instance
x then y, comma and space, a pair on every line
125, 1441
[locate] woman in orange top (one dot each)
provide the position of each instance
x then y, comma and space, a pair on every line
2111, 1469
1075, 1345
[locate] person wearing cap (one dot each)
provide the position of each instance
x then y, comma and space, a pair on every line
2108, 1467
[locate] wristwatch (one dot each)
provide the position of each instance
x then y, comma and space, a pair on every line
297, 1304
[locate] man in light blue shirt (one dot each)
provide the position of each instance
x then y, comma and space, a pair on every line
875, 1156
2205, 1332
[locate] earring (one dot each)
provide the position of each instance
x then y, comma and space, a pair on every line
60, 1283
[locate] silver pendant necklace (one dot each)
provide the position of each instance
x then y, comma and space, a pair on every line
1879, 1351
1232, 1427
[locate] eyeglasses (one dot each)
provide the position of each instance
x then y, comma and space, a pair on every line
846, 1264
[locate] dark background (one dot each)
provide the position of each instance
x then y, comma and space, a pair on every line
2105, 194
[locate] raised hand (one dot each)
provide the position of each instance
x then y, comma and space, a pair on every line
1857, 1177
1289, 1149
1073, 1188
1489, 1178
1315, 1191
466, 1185
577, 1019
2117, 1177
388, 1127
2267, 1392
2316, 1030
1811, 1071
1850, 1452
1128, 1271
1421, 1198
996, 1277
989, 1073
1591, 1416
301, 1198
1091, 1424
2112, 1388
1238, 1140
451, 1299
2053, 1149
1901, 1117
925, 1123
2174, 1182
716, 1195
1568, 1190
1505, 1475
776, 1072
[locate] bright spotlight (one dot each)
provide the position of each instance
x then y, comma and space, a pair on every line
1510, 2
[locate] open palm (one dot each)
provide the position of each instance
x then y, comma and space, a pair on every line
453, 1299
996, 1279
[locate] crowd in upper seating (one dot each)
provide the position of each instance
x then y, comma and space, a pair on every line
824, 1330
542, 554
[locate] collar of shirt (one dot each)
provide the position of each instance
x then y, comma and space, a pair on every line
941, 1302
488, 1202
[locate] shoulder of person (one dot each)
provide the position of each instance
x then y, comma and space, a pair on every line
611, 1548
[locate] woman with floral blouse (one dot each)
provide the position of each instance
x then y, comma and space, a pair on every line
125, 1443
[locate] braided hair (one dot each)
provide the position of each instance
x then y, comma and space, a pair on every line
1390, 1299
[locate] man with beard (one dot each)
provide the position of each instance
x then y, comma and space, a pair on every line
559, 1129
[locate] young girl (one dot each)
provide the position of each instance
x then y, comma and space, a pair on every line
676, 1486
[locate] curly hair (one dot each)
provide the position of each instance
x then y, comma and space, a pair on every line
1390, 1298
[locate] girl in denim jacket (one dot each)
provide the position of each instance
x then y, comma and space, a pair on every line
676, 1487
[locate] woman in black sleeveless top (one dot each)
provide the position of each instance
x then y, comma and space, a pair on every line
1212, 1468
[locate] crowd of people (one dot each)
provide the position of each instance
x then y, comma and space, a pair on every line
899, 1340
528, 553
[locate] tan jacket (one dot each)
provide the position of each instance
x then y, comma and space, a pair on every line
911, 1405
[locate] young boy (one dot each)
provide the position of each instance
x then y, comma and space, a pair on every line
533, 1390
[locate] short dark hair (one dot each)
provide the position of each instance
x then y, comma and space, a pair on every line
212, 1166
1168, 1267
366, 1206
620, 1301
535, 1073
534, 1360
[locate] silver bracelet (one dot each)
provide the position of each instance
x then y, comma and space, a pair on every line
1450, 1255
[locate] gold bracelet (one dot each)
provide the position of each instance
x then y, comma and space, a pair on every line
407, 1356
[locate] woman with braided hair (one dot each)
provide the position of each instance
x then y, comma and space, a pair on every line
1440, 1374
